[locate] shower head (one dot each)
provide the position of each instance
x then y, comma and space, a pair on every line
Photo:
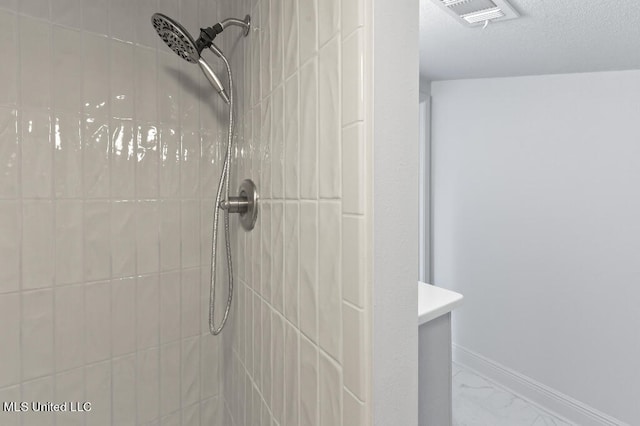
176, 37
181, 42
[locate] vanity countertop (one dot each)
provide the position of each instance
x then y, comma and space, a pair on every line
435, 301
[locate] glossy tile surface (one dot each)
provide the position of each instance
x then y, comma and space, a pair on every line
110, 151
301, 283
479, 402
106, 139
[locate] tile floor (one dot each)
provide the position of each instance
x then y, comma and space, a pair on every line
479, 402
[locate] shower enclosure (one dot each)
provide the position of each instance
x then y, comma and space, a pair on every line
111, 151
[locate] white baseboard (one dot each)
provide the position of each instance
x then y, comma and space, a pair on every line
546, 398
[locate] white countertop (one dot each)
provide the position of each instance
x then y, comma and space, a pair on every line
435, 301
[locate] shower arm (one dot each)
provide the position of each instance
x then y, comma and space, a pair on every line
246, 24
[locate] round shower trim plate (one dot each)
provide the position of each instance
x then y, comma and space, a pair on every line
249, 191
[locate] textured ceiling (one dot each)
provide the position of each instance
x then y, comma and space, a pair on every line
550, 37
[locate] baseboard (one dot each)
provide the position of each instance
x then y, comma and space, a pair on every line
546, 398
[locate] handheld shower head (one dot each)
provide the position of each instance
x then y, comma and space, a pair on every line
180, 41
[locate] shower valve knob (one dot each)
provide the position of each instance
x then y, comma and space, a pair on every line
246, 204
235, 204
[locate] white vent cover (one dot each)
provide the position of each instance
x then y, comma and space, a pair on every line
477, 12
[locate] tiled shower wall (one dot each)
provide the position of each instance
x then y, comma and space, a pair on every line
108, 161
297, 350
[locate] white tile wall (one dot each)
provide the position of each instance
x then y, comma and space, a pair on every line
108, 155
297, 350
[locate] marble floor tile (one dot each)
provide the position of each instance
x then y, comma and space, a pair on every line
479, 402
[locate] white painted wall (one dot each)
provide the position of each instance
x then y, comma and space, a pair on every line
536, 184
395, 207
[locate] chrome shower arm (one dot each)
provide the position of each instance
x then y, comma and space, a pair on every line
246, 24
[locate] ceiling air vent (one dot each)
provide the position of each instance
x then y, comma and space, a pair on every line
478, 12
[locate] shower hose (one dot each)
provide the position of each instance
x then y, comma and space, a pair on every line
223, 185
